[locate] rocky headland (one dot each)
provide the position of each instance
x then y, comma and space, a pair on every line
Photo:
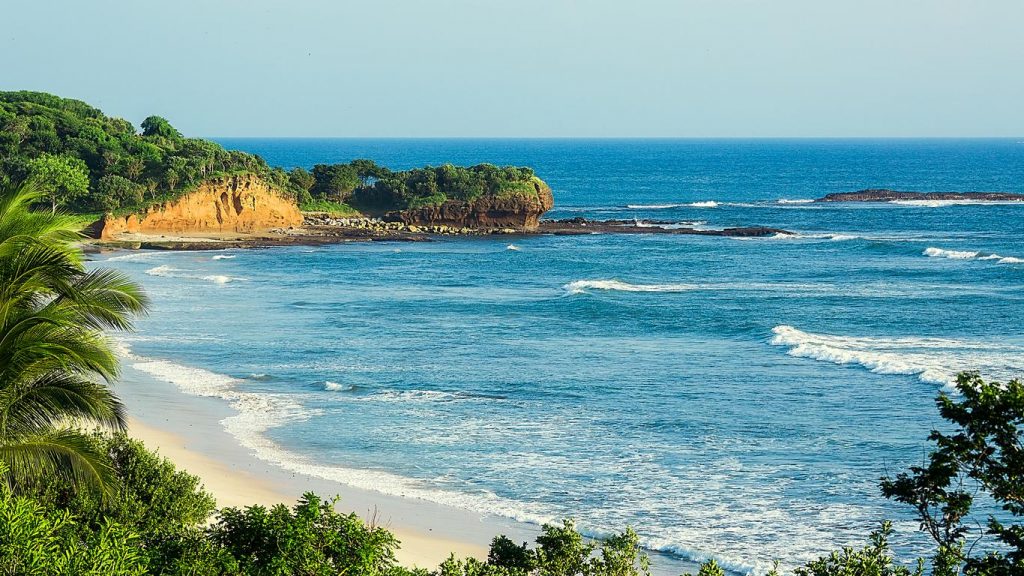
887, 195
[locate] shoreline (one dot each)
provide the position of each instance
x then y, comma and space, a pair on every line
187, 430
320, 234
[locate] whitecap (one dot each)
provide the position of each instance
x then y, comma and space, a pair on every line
131, 256
654, 206
932, 360
223, 257
932, 252
218, 279
795, 201
336, 387
163, 270
581, 286
513, 247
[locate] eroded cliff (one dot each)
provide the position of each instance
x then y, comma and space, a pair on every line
234, 204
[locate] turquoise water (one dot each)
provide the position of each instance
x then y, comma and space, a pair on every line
729, 398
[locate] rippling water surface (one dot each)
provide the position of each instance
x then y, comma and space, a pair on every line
729, 398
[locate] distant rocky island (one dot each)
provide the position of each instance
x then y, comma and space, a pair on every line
887, 195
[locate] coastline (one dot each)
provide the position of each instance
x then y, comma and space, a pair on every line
187, 430
349, 230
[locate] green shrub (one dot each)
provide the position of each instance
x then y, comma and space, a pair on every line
312, 538
36, 539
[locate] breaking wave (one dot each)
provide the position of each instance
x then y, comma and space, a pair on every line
701, 204
933, 252
336, 387
932, 360
796, 201
132, 256
581, 286
166, 271
223, 257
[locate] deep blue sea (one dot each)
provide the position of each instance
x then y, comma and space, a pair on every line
735, 398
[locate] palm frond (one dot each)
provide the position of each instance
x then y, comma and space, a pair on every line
63, 452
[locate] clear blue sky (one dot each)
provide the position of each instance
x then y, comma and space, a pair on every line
692, 68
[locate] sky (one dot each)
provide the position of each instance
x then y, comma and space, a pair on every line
531, 68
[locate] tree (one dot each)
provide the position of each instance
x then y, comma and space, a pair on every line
301, 178
55, 363
983, 454
159, 126
115, 191
61, 178
334, 182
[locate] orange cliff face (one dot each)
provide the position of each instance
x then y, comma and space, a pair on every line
239, 204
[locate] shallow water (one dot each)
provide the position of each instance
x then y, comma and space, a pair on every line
726, 397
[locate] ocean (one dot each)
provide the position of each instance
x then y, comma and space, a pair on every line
728, 398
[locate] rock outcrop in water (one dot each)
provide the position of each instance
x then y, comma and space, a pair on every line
234, 204
518, 211
887, 195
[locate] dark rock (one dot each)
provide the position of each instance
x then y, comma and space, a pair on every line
887, 195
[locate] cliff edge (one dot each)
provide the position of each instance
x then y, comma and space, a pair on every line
519, 211
241, 204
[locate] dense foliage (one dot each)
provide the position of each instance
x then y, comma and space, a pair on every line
368, 186
55, 362
86, 161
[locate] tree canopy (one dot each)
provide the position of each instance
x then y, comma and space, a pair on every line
87, 161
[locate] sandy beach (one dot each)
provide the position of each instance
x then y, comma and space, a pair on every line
186, 429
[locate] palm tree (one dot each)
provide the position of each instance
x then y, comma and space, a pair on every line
56, 364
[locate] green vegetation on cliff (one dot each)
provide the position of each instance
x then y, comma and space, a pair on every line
86, 161
364, 184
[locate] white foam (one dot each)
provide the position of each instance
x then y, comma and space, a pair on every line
653, 206
223, 257
218, 278
163, 270
166, 271
932, 360
933, 252
336, 387
701, 204
131, 256
796, 201
812, 236
952, 254
513, 247
946, 203
581, 286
